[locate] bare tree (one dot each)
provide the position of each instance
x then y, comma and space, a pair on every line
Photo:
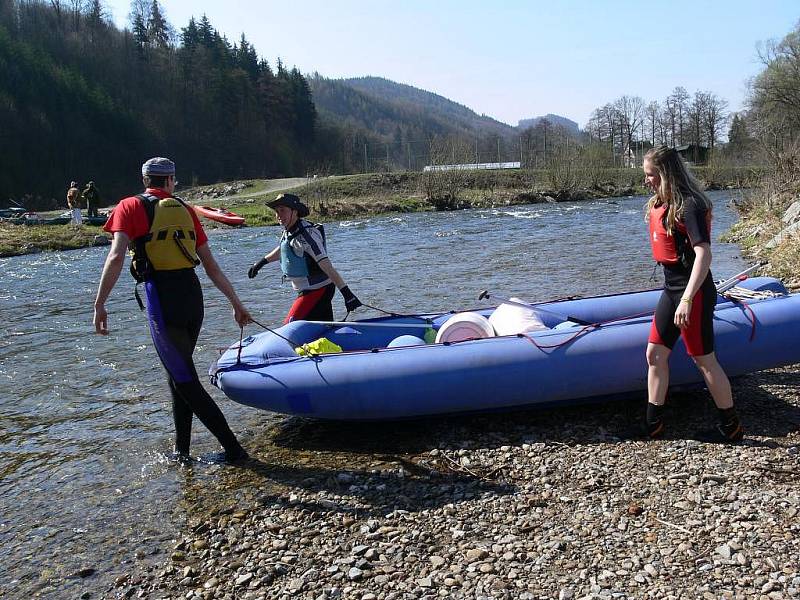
679, 100
696, 111
630, 114
715, 117
604, 127
139, 9
652, 113
670, 119
75, 13
58, 7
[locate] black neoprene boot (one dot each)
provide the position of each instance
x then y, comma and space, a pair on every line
728, 429
729, 426
654, 423
652, 429
235, 454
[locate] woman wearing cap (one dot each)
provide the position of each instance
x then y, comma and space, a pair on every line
304, 261
168, 243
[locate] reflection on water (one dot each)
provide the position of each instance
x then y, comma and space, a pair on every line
84, 419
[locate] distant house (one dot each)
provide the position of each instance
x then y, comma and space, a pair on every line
693, 153
632, 155
629, 158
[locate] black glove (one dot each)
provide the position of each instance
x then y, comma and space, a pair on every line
253, 271
350, 301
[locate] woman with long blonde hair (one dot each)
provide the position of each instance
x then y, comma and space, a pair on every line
679, 219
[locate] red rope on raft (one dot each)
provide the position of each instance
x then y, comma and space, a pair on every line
750, 313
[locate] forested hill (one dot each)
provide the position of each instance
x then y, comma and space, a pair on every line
80, 100
393, 111
392, 125
457, 114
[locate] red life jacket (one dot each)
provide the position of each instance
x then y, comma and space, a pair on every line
667, 249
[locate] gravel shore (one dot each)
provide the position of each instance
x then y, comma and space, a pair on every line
536, 504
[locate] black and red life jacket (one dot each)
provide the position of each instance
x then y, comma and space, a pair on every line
671, 249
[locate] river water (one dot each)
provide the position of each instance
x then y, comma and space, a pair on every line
85, 420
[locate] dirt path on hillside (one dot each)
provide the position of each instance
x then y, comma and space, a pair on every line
273, 185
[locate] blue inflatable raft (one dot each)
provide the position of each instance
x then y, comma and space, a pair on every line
386, 372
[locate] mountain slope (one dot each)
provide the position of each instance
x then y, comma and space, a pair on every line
392, 110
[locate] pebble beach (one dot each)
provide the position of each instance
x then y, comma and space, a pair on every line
536, 504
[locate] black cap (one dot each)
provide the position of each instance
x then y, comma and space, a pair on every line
290, 201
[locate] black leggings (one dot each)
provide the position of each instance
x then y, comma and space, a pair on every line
175, 312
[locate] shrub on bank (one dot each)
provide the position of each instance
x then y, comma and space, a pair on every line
762, 212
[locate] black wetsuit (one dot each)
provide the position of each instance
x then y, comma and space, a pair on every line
175, 312
694, 228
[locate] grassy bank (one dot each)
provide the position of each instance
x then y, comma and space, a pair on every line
30, 239
341, 197
761, 220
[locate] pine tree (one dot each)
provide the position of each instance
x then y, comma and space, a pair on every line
140, 35
206, 32
190, 35
158, 30
305, 114
246, 58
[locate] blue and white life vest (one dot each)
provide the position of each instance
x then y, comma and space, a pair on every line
293, 265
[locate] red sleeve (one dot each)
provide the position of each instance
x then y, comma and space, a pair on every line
129, 217
200, 234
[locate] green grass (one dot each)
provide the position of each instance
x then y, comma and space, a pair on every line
28, 239
352, 196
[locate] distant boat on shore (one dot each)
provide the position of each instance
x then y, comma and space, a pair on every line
221, 215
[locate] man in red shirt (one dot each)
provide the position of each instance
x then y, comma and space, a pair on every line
168, 243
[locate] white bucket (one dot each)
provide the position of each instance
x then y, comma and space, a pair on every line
465, 326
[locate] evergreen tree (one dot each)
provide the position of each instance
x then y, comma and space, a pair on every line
158, 30
206, 32
247, 59
305, 114
140, 36
190, 35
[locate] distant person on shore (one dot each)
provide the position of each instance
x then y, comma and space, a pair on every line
74, 202
679, 218
92, 197
304, 261
168, 243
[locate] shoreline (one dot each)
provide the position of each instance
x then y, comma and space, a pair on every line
537, 504
19, 240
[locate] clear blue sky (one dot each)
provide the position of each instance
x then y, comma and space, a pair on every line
514, 59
